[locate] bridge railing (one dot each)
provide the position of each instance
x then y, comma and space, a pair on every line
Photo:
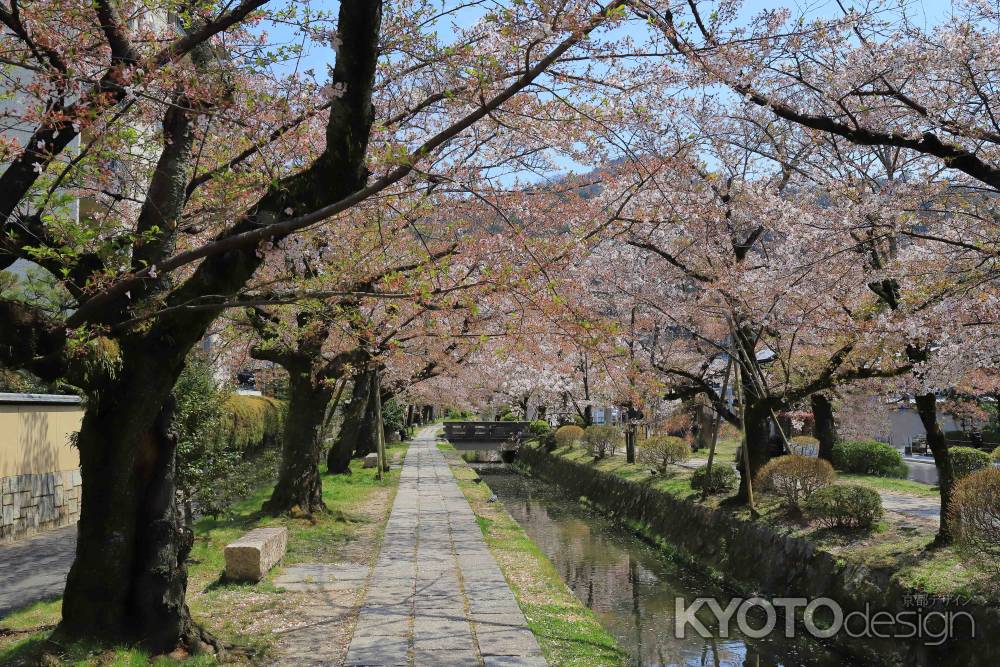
486, 432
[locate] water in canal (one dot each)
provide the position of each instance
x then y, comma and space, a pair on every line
632, 587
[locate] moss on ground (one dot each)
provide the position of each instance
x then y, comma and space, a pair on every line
238, 613
567, 631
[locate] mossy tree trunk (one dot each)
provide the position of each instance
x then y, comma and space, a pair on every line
757, 446
312, 380
299, 484
927, 409
128, 580
366, 438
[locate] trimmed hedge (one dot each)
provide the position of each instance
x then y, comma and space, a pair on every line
795, 477
252, 423
845, 506
868, 457
967, 460
722, 480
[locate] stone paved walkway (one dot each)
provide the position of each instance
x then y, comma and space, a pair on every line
437, 597
35, 568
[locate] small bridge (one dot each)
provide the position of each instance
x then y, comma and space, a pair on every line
486, 435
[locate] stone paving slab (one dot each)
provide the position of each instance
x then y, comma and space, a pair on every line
437, 596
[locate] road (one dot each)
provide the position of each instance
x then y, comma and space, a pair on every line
35, 568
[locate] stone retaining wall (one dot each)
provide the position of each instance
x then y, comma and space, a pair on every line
36, 501
752, 558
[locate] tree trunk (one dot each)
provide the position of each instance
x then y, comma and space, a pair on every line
128, 580
824, 425
338, 461
704, 419
757, 447
299, 482
927, 409
367, 435
630, 443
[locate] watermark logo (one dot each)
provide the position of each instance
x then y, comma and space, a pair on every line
823, 618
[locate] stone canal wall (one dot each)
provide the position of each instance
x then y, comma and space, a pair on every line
35, 501
751, 558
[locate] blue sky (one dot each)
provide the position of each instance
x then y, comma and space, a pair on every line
317, 57
929, 12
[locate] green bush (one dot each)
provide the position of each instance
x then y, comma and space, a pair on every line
252, 422
722, 480
509, 417
868, 457
845, 506
393, 419
454, 414
795, 478
539, 427
602, 440
967, 460
568, 435
227, 444
995, 456
663, 450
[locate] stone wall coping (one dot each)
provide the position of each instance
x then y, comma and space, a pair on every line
39, 399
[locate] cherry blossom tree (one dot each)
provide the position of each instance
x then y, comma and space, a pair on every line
177, 239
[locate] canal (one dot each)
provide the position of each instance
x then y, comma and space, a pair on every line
632, 586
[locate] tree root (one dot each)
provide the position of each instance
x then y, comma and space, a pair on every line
198, 640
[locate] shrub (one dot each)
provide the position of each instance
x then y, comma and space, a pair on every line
568, 435
967, 460
393, 419
539, 427
664, 450
995, 456
867, 457
226, 444
602, 440
509, 417
795, 478
975, 511
722, 479
803, 445
845, 506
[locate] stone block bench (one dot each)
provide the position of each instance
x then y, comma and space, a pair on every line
250, 557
